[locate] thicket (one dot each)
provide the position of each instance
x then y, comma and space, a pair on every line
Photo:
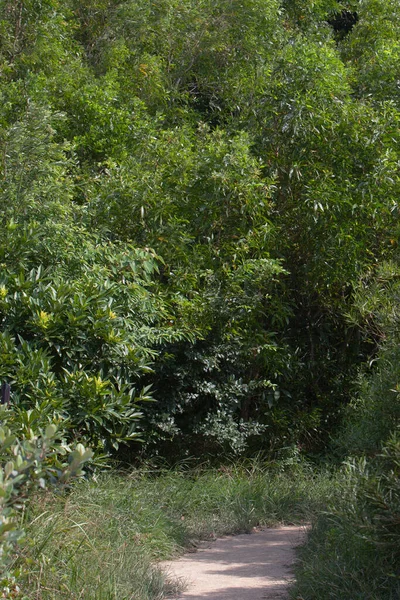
199, 227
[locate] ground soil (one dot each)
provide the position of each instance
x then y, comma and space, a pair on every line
256, 566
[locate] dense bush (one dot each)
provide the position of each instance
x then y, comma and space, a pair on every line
247, 143
353, 549
199, 206
76, 338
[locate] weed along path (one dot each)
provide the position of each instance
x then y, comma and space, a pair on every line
256, 566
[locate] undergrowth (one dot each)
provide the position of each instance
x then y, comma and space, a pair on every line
103, 540
353, 550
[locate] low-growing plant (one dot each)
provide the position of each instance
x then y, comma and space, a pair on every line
353, 548
29, 462
104, 539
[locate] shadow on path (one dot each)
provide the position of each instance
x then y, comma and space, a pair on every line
253, 566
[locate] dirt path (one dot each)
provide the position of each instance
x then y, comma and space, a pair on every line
242, 567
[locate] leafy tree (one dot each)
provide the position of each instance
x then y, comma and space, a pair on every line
249, 145
36, 184
373, 51
79, 318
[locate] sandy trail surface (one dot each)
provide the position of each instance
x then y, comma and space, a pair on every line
256, 566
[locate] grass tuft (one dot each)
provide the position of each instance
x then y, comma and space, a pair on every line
103, 541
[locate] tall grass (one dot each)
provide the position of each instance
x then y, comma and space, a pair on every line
353, 551
103, 540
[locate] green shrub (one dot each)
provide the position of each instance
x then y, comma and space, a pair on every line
353, 549
75, 346
29, 462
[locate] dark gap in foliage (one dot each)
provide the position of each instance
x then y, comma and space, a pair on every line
207, 105
342, 23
